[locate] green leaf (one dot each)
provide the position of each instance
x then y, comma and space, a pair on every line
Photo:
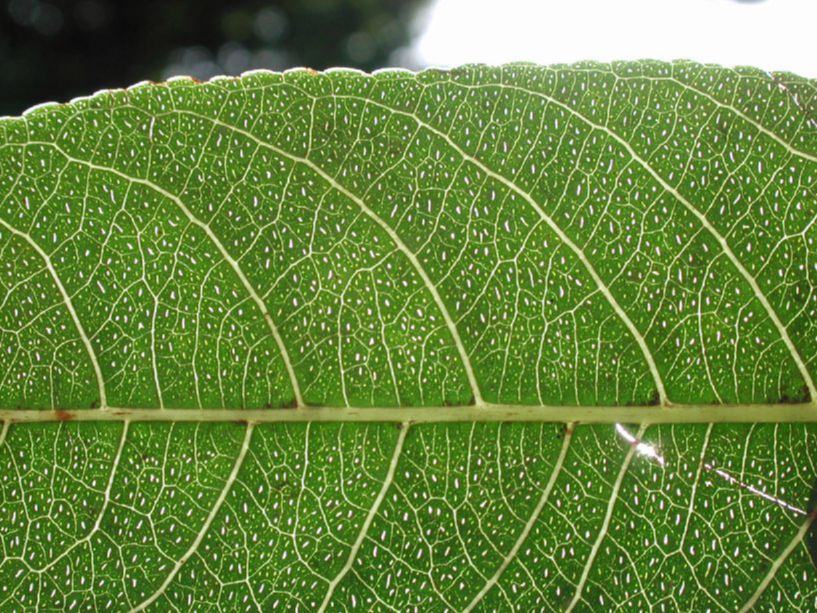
469, 339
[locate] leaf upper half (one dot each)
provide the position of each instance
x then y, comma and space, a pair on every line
627, 242
586, 235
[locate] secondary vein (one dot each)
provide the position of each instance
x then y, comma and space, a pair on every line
228, 484
216, 242
369, 519
605, 526
703, 219
556, 229
69, 305
534, 516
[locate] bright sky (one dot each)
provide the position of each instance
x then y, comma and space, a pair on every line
770, 34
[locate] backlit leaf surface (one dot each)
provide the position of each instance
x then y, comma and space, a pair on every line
205, 287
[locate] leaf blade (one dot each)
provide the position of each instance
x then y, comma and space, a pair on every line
257, 277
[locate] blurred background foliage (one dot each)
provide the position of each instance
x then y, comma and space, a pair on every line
55, 50
59, 49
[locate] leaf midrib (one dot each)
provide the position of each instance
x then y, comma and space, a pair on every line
486, 412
